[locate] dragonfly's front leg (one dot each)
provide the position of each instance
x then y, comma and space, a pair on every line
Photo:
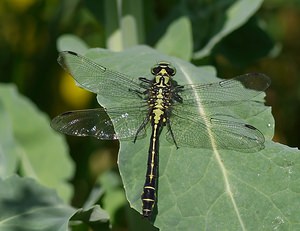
145, 80
145, 84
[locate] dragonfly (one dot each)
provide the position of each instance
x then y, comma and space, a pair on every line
139, 103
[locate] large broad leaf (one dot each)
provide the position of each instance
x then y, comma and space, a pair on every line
209, 189
28, 142
259, 44
71, 42
234, 17
177, 44
205, 22
8, 149
25, 206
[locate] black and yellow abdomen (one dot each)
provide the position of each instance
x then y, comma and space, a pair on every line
159, 101
149, 191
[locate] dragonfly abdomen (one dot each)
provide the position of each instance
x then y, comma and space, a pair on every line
149, 192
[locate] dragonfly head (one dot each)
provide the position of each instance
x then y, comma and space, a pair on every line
163, 68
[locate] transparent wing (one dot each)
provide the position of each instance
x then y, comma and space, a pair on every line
97, 78
226, 92
195, 131
121, 124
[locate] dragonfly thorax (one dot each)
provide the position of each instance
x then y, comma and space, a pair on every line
160, 99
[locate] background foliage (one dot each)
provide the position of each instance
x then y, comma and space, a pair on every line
226, 34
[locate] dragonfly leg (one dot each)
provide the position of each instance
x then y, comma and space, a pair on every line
172, 134
138, 93
145, 80
146, 84
177, 97
143, 125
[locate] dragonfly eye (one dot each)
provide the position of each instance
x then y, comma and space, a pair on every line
155, 70
163, 65
171, 70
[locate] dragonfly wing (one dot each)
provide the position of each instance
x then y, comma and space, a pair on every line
97, 78
223, 131
121, 124
226, 92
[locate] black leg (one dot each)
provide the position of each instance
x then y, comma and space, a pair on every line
143, 125
172, 134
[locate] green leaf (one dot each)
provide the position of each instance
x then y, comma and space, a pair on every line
8, 149
69, 42
209, 189
26, 206
236, 15
41, 152
123, 23
131, 23
114, 197
95, 217
259, 44
177, 44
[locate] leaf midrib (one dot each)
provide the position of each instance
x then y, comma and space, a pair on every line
217, 156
